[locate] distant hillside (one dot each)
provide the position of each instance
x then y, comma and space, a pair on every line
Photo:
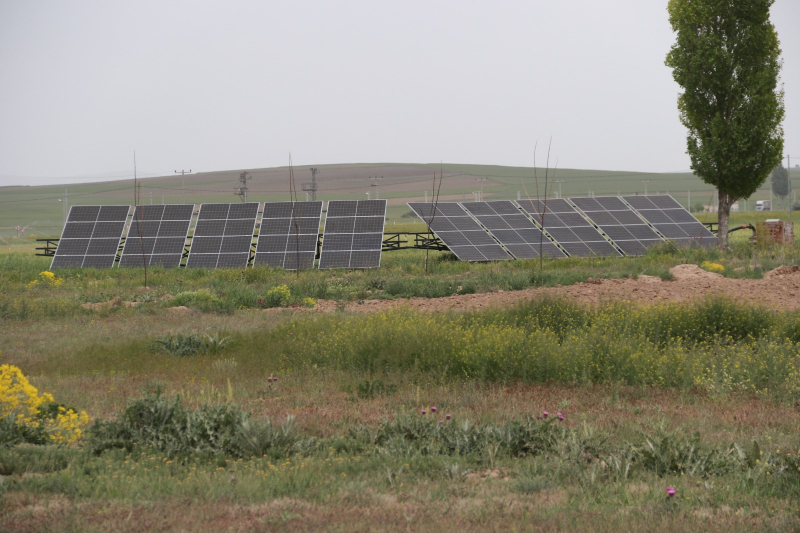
39, 210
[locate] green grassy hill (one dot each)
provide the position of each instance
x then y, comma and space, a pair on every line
39, 210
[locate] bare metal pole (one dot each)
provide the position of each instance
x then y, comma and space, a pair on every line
138, 212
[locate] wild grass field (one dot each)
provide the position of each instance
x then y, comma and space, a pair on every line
264, 400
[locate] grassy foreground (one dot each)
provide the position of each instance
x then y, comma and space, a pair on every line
190, 430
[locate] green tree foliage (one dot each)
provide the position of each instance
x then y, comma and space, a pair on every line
727, 60
780, 182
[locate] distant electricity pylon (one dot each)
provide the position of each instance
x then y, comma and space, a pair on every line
312, 187
242, 191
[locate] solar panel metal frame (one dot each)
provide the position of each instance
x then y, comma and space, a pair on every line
230, 236
78, 235
273, 217
671, 219
462, 235
619, 222
347, 221
569, 228
521, 237
155, 216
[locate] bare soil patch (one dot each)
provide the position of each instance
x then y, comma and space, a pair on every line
779, 290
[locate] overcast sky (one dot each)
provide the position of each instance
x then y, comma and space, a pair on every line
240, 84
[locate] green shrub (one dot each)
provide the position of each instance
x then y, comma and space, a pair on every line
166, 425
202, 300
276, 297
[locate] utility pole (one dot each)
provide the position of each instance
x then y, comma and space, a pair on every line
559, 187
183, 184
789, 179
645, 186
242, 191
151, 197
463, 197
65, 209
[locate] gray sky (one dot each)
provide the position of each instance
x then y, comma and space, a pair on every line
227, 85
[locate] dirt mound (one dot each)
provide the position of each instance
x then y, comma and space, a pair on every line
782, 270
692, 272
103, 306
648, 279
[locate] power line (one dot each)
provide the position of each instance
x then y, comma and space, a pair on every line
57, 197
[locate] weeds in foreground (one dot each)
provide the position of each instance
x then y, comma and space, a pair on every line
716, 345
163, 425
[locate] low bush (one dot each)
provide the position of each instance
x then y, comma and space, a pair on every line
28, 417
188, 345
202, 300
168, 426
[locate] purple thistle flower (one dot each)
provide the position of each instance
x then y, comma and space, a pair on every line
433, 409
560, 417
423, 411
545, 414
269, 379
670, 492
441, 421
275, 378
447, 416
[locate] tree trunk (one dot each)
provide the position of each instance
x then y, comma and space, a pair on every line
724, 211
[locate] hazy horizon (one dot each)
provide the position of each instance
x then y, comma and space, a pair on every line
211, 87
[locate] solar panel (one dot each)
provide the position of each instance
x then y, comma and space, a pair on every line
91, 236
223, 236
287, 237
619, 222
512, 229
353, 236
459, 231
157, 235
672, 220
569, 228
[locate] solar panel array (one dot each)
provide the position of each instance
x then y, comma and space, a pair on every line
512, 229
353, 236
671, 219
619, 222
91, 236
288, 235
157, 235
459, 232
223, 236
569, 228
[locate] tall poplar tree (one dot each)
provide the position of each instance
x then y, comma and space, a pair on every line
727, 60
